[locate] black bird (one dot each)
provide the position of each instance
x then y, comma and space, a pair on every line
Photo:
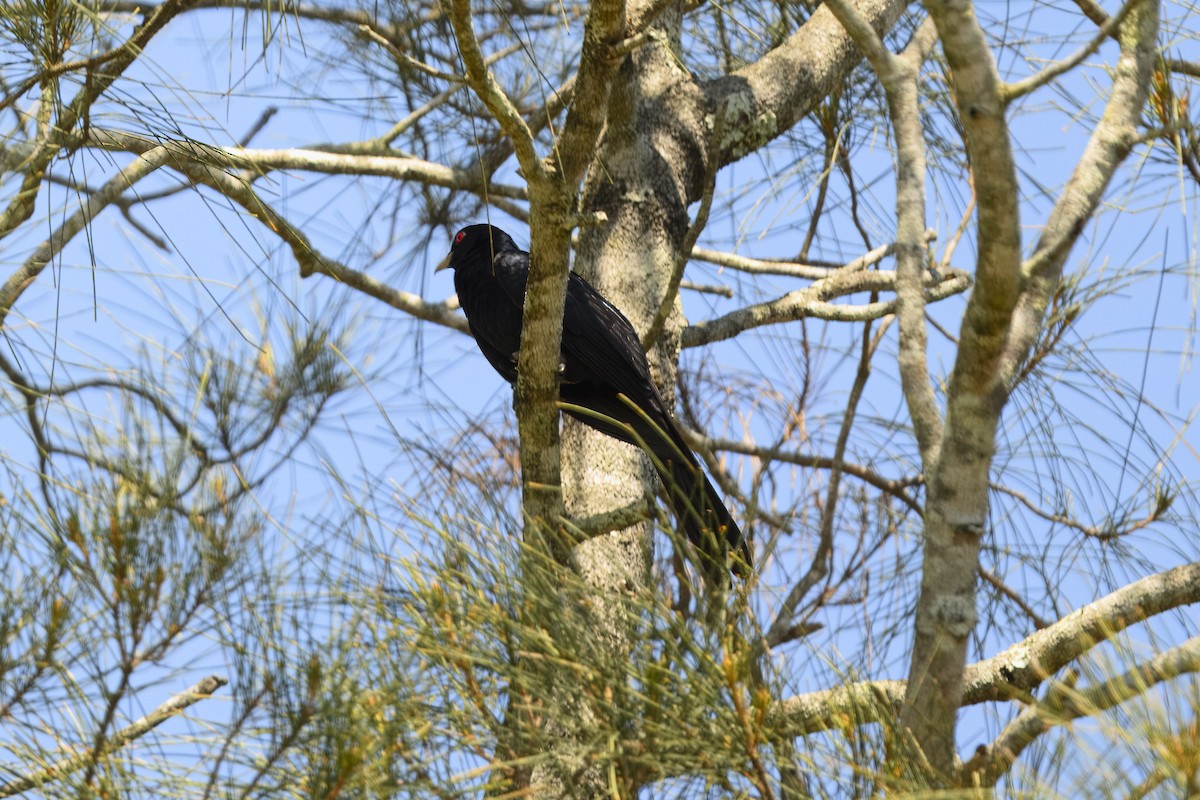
603, 369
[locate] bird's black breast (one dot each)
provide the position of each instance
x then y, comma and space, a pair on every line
492, 296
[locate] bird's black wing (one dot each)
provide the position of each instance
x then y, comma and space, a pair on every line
600, 347
601, 351
503, 362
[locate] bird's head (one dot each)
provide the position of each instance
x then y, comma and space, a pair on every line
476, 245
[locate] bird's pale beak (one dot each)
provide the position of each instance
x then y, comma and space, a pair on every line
445, 262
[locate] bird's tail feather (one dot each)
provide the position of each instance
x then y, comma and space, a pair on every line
697, 504
704, 518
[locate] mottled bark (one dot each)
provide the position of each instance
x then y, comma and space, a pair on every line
768, 97
646, 154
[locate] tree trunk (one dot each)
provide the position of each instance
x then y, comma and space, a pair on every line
643, 178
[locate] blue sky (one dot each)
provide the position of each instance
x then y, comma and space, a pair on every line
114, 302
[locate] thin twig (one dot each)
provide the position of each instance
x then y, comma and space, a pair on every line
24, 276
309, 260
706, 288
491, 93
824, 553
1038, 621
1104, 533
1012, 91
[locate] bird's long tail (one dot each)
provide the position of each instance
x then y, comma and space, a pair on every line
701, 510
697, 504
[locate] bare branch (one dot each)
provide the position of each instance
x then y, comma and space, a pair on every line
1006, 590
140, 727
314, 11
769, 96
761, 266
865, 38
1092, 11
443, 313
198, 167
860, 703
895, 487
813, 301
900, 82
1107, 148
1190, 68
260, 161
369, 33
899, 74
957, 463
819, 568
1024, 665
608, 521
1105, 533
1013, 91
604, 27
490, 92
1017, 670
1064, 703
706, 288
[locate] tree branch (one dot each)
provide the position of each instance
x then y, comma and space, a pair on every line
313, 11
1012, 595
575, 148
814, 301
1013, 91
1107, 148
1024, 665
140, 727
899, 75
792, 269
490, 92
107, 194
1017, 671
819, 567
198, 168
35, 166
1105, 533
768, 97
894, 487
260, 161
903, 108
1064, 703
957, 505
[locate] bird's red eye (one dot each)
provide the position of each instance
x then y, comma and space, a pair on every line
460, 236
